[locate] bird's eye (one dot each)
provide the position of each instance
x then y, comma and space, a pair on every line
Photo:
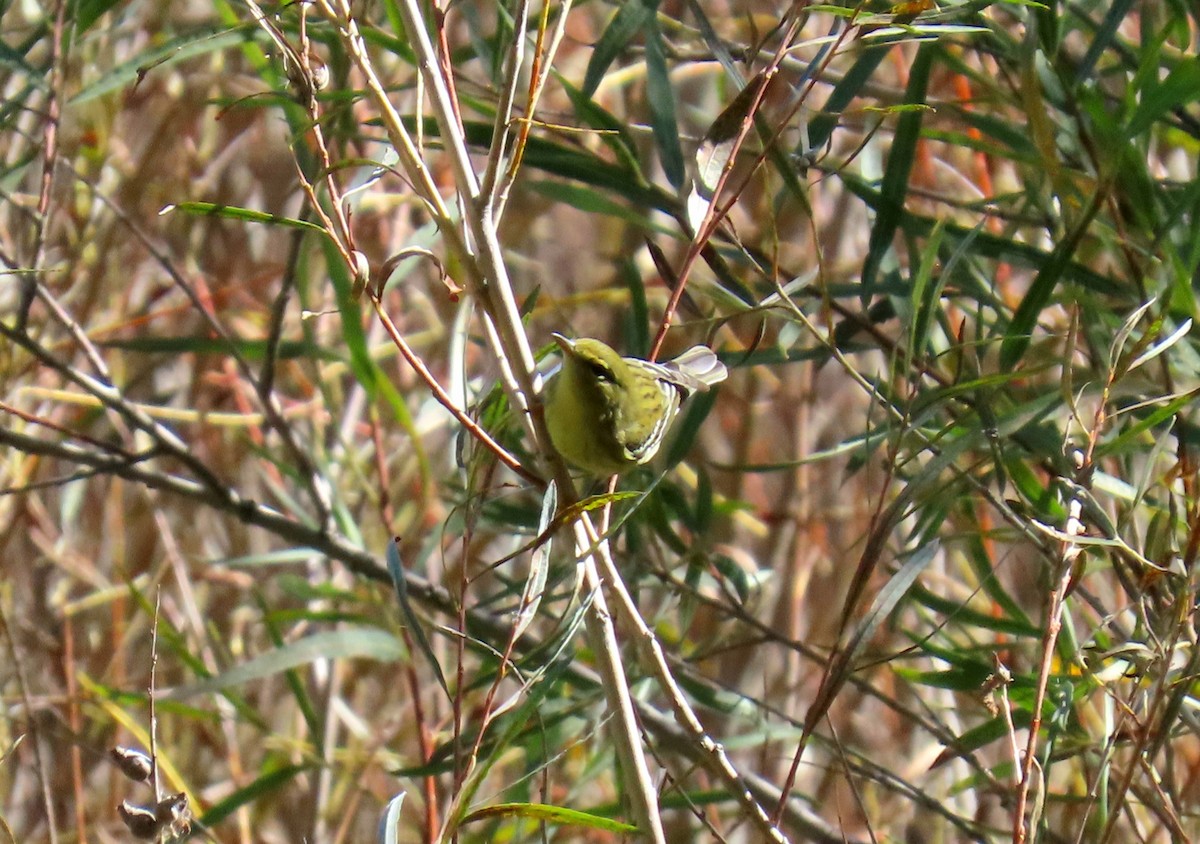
602, 372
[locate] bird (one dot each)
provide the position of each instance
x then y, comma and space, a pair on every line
606, 413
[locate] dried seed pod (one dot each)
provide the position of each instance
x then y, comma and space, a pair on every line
173, 815
134, 764
139, 820
171, 808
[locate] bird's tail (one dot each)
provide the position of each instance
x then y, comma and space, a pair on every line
697, 369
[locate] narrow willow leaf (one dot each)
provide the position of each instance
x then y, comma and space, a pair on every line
1150, 420
637, 315
894, 188
716, 147
390, 820
629, 20
573, 163
513, 725
987, 245
595, 201
413, 624
1024, 320
1117, 346
844, 93
967, 678
989, 731
249, 349
248, 795
694, 413
247, 215
87, 12
1181, 87
346, 643
661, 97
1161, 346
197, 43
613, 133
1103, 39
550, 814
889, 596
539, 564
925, 295
366, 369
714, 42
961, 614
17, 61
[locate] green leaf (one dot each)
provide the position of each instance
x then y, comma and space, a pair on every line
539, 565
249, 349
715, 43
293, 677
593, 201
637, 315
247, 215
346, 643
1181, 87
984, 244
363, 365
925, 299
994, 729
629, 20
249, 794
556, 815
661, 97
1152, 419
966, 678
1024, 320
412, 623
394, 42
15, 60
87, 12
573, 163
613, 133
894, 189
1102, 40
973, 619
693, 415
848, 88
197, 43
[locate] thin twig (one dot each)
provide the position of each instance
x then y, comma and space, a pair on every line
502, 125
151, 696
543, 64
268, 401
114, 400
40, 765
639, 787
715, 213
29, 284
484, 260
443, 398
716, 760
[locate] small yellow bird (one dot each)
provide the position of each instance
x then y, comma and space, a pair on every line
607, 414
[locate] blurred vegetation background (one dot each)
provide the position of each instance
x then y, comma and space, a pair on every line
272, 283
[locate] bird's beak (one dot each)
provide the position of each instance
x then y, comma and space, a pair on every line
565, 344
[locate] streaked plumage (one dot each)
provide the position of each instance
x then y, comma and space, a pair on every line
606, 413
